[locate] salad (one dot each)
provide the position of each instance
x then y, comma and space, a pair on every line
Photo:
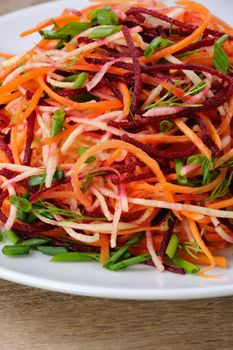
116, 138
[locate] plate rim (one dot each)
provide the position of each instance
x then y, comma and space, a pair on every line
106, 292
113, 293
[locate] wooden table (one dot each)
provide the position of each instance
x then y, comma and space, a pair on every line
35, 319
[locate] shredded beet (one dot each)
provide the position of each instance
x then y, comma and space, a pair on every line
26, 231
205, 137
114, 89
5, 148
227, 223
156, 14
137, 68
173, 269
71, 93
84, 40
3, 195
167, 236
155, 153
197, 45
74, 247
30, 136
169, 268
130, 178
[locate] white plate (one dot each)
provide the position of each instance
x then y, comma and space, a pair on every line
138, 282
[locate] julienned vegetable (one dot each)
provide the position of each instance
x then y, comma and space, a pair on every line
116, 139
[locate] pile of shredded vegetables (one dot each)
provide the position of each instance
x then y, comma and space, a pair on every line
115, 137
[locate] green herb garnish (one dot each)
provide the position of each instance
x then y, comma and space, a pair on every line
49, 250
14, 250
75, 257
65, 33
166, 125
116, 256
157, 44
21, 203
40, 179
103, 32
187, 266
220, 60
57, 122
103, 16
35, 242
172, 246
82, 150
222, 189
11, 236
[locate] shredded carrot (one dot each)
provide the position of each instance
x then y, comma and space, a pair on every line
152, 164
211, 129
201, 244
126, 97
193, 137
31, 105
12, 85
104, 246
6, 55
183, 43
101, 106
203, 260
222, 204
61, 20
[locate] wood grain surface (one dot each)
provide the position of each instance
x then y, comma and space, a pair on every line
35, 319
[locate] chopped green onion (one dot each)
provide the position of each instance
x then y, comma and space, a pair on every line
75, 257
82, 150
166, 126
103, 16
220, 60
121, 251
21, 203
70, 78
34, 242
157, 44
80, 81
31, 219
103, 32
16, 250
58, 175
40, 179
60, 45
51, 250
172, 246
206, 164
1, 237
196, 159
11, 236
65, 33
36, 180
178, 166
187, 266
57, 122
127, 262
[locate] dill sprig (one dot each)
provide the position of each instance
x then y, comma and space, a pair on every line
49, 210
191, 248
174, 101
222, 189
